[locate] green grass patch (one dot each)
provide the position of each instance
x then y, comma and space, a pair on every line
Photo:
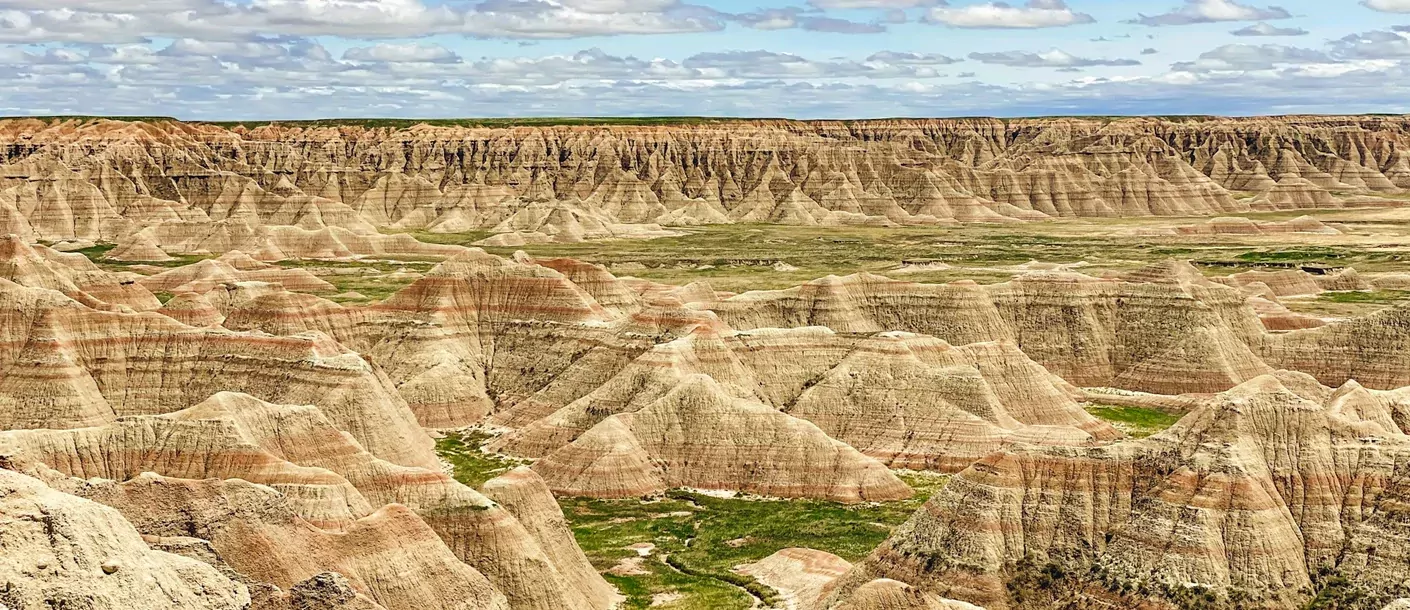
95, 252
471, 465
370, 278
702, 538
378, 265
1292, 255
1349, 304
1136, 422
1371, 296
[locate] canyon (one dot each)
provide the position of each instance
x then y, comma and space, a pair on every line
308, 366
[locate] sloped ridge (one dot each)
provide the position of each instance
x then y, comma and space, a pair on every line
801, 576
916, 402
1370, 350
205, 275
36, 266
476, 288
149, 364
324, 478
1247, 496
390, 555
907, 400
1089, 331
525, 495
697, 435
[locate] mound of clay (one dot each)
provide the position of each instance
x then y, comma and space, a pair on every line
907, 400
1089, 331
72, 274
141, 247
699, 436
916, 402
1283, 283
192, 309
1344, 280
280, 242
326, 479
1370, 350
1244, 226
390, 556
205, 275
806, 579
801, 576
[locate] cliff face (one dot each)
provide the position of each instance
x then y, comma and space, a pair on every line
108, 180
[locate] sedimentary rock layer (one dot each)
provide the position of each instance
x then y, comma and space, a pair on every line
1257, 497
210, 188
64, 551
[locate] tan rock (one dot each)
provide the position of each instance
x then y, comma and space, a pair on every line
1209, 502
61, 549
697, 435
77, 180
801, 576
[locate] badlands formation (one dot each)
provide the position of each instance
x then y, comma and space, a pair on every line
273, 192
195, 413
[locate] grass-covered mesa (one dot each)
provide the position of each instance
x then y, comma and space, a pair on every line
679, 551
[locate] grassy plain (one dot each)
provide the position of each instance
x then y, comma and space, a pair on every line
738, 258
744, 257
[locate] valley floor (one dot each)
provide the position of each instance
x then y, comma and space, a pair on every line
680, 551
742, 257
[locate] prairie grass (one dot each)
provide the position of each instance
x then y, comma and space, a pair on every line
699, 538
1136, 422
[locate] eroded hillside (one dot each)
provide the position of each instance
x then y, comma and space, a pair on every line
252, 393
187, 188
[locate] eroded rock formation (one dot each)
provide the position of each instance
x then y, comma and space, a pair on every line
1270, 488
289, 191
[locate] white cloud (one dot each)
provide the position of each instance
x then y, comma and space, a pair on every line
397, 53
1245, 57
1374, 45
113, 21
793, 17
1049, 59
1034, 14
1389, 6
566, 85
912, 59
187, 47
1211, 11
768, 64
878, 4
770, 19
1264, 29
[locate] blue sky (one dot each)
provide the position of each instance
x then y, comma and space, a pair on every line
290, 59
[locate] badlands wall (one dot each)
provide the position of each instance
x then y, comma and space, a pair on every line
276, 191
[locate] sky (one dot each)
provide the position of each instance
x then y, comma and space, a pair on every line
806, 59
